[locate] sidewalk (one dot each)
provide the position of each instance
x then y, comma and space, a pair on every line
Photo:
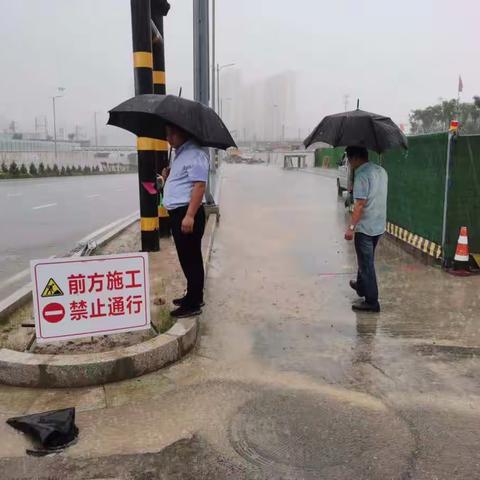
287, 382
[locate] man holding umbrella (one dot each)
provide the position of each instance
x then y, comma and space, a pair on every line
368, 224
190, 126
184, 194
375, 132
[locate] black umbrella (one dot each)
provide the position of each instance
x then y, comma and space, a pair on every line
144, 115
358, 128
53, 430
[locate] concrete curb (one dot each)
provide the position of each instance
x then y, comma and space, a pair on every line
59, 371
15, 300
210, 229
23, 369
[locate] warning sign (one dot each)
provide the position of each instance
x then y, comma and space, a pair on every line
53, 312
92, 296
52, 289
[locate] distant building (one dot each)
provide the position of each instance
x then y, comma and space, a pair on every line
262, 110
280, 106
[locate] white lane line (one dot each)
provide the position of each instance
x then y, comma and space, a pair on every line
47, 205
93, 195
14, 194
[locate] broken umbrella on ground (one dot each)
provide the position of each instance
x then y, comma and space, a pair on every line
53, 431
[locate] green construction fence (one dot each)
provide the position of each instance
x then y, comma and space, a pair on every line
328, 157
416, 187
464, 194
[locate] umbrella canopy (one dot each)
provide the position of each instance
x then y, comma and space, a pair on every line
53, 430
144, 115
358, 128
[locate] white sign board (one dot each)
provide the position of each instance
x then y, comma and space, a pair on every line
88, 296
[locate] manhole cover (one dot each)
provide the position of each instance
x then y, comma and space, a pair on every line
315, 434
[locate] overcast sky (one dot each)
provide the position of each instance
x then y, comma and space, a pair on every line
394, 56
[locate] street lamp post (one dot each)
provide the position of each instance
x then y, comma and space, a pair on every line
229, 99
60, 89
96, 131
54, 128
219, 69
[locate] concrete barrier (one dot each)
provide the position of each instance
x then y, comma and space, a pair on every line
59, 371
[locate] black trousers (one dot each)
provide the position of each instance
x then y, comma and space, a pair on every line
189, 249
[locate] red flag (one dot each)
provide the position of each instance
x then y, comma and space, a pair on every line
460, 84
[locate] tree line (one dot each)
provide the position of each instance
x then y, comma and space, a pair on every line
21, 171
437, 118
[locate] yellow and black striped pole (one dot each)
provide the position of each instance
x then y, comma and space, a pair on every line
146, 147
160, 9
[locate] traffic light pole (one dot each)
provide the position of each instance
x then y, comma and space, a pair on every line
146, 147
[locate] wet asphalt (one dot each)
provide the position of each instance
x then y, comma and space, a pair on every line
47, 217
287, 382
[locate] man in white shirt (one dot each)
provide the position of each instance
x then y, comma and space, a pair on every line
184, 194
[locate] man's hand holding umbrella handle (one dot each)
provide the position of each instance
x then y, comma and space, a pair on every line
356, 216
198, 193
165, 173
350, 233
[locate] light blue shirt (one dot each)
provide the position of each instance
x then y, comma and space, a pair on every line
371, 184
191, 165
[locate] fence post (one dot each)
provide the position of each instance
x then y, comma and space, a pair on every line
450, 147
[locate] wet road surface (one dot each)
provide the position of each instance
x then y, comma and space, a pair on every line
287, 382
48, 216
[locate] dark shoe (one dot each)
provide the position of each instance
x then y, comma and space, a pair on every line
178, 302
366, 307
186, 311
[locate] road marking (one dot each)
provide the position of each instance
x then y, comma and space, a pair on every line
14, 194
47, 205
93, 195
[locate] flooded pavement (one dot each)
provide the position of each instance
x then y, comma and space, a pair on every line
287, 382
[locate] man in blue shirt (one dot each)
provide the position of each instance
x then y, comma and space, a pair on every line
368, 224
183, 197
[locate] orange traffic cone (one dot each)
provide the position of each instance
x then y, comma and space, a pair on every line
462, 254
